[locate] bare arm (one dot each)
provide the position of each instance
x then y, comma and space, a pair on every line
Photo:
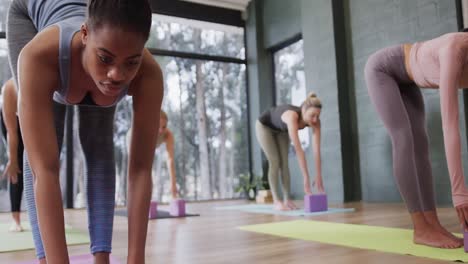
170, 163
10, 101
291, 119
317, 156
147, 90
37, 79
451, 69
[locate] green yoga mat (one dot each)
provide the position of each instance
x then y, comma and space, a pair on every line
268, 209
14, 241
390, 240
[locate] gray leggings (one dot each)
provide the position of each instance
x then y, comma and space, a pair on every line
275, 145
399, 103
96, 137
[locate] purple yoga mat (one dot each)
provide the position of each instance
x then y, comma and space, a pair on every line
80, 259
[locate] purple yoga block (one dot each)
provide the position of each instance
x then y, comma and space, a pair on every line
177, 208
153, 211
315, 203
465, 240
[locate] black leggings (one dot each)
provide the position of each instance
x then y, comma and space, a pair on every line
16, 190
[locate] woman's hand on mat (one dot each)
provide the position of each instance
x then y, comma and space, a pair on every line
462, 212
11, 171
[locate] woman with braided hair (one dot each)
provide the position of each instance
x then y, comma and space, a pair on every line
90, 54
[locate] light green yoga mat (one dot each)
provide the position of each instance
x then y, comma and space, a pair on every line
268, 209
11, 241
391, 240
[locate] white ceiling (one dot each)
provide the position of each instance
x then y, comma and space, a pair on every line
230, 4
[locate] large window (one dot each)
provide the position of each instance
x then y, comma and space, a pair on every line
192, 36
290, 80
206, 105
206, 102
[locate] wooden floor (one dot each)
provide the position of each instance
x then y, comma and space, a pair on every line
213, 237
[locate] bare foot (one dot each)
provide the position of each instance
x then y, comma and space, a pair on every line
279, 206
433, 220
16, 228
431, 237
290, 205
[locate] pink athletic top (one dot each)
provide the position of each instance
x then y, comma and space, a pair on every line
439, 63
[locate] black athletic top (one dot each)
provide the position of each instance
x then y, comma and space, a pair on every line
272, 117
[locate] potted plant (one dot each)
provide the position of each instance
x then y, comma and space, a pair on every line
264, 195
248, 186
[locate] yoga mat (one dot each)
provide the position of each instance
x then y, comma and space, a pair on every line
80, 259
268, 209
384, 239
160, 214
14, 241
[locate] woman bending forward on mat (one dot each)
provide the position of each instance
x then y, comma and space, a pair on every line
11, 132
165, 136
274, 128
89, 54
393, 77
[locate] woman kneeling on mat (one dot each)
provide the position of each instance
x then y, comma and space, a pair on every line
393, 77
90, 54
11, 132
274, 128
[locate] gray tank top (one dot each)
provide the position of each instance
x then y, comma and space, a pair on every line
272, 117
68, 15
